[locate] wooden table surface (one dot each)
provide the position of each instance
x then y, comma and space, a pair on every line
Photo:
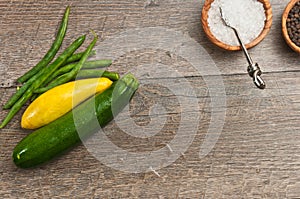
257, 152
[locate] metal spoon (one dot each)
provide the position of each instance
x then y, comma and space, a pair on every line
253, 68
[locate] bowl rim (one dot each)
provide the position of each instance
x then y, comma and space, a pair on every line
286, 36
257, 40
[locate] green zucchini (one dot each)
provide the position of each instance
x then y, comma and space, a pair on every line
60, 135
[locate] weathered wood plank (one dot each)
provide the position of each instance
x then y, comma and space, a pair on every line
256, 155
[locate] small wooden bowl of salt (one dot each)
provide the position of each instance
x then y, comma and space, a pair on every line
251, 18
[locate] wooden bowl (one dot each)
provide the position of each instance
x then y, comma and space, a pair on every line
284, 28
261, 36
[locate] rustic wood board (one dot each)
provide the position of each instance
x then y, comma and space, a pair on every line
256, 155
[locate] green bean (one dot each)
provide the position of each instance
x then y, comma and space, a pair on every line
63, 70
83, 74
87, 65
76, 57
52, 51
13, 99
102, 63
43, 75
97, 64
34, 96
71, 75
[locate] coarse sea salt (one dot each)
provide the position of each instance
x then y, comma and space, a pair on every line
247, 16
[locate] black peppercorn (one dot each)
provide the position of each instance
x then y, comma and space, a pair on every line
293, 24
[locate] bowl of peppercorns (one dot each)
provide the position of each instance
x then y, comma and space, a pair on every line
291, 25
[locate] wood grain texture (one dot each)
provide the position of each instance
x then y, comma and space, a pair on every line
256, 155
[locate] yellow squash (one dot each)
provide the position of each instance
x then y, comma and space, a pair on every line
60, 100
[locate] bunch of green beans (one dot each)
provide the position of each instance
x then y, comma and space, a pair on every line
66, 67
